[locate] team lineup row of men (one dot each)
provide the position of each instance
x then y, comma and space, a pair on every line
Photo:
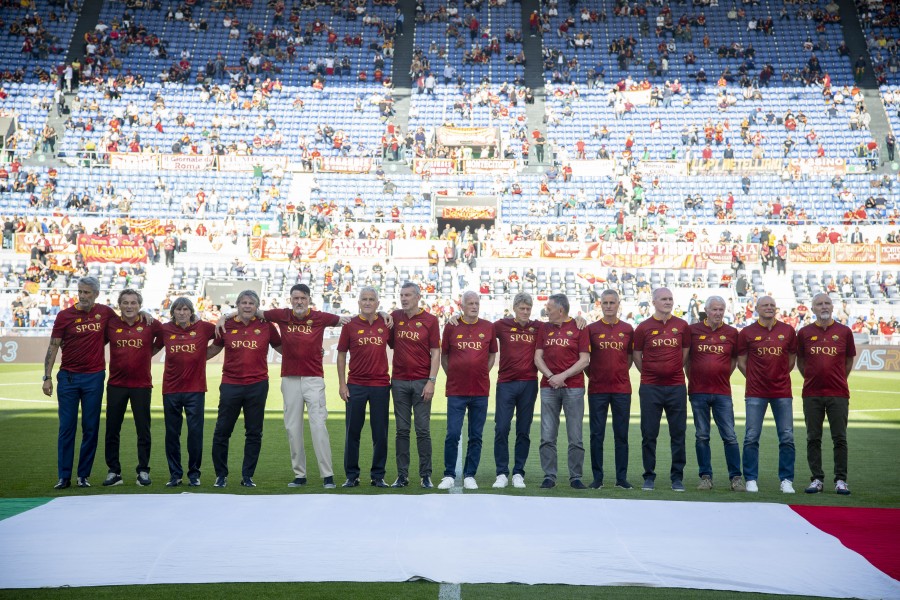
666, 350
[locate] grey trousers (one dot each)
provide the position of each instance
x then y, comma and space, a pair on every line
408, 403
570, 400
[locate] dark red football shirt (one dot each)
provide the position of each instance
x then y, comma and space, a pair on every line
516, 343
301, 340
185, 370
662, 345
768, 355
610, 353
367, 344
712, 351
468, 347
83, 335
131, 351
562, 345
824, 352
247, 350
412, 340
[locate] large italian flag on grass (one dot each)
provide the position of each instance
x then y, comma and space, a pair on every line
472, 538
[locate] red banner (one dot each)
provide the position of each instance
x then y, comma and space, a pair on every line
134, 161
24, 242
570, 250
111, 249
855, 253
664, 255
469, 212
890, 253
146, 226
281, 248
811, 253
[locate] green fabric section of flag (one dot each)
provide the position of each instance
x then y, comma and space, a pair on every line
10, 507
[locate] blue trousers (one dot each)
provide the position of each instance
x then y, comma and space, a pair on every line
74, 390
456, 411
513, 397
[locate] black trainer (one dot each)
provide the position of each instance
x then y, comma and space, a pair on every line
400, 482
63, 484
624, 485
596, 485
247, 482
297, 482
174, 482
351, 483
426, 482
548, 483
221, 482
379, 483
577, 484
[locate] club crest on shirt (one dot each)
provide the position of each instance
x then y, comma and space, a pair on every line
234, 331
309, 321
702, 337
674, 330
418, 324
621, 334
118, 331
173, 336
400, 323
193, 334
256, 331
78, 320
654, 332
569, 333
360, 331
98, 317
481, 336
835, 337
723, 338
780, 337
601, 336
380, 330
757, 338
513, 329
550, 334
814, 338
139, 329
459, 336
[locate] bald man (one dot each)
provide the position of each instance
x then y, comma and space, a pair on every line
661, 345
767, 352
825, 351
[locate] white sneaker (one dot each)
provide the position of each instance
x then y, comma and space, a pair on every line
502, 481
470, 484
446, 483
787, 487
751, 486
518, 481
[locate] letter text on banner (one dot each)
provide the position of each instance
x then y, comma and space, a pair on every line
741, 166
652, 168
281, 248
820, 166
855, 253
25, 241
890, 253
134, 161
350, 248
469, 212
435, 166
514, 249
111, 249
637, 97
243, 162
467, 136
186, 162
345, 164
490, 165
811, 253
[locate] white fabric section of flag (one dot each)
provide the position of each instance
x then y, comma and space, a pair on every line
468, 538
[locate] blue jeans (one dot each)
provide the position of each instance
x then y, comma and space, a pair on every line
191, 404
518, 397
456, 412
782, 410
723, 413
599, 405
72, 390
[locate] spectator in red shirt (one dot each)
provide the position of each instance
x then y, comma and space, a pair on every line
767, 351
365, 337
245, 385
468, 353
661, 345
710, 364
609, 388
132, 345
416, 341
80, 331
561, 354
825, 352
186, 340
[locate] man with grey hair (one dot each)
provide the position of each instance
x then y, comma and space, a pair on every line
712, 359
245, 385
562, 352
415, 339
661, 345
80, 331
468, 352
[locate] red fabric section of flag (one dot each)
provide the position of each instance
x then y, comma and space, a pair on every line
872, 532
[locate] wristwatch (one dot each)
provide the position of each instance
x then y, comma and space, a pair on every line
46, 378
432, 379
